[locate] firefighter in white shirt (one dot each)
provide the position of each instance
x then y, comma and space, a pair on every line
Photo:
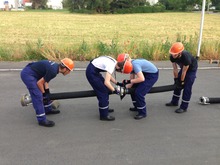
102, 86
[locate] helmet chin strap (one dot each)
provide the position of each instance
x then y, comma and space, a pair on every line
179, 55
115, 74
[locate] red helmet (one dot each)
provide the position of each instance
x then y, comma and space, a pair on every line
67, 62
176, 48
122, 57
127, 68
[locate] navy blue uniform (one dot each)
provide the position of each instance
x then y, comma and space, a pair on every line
186, 59
96, 80
30, 75
151, 75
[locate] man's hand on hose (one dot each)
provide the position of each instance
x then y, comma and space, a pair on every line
120, 84
119, 90
125, 82
46, 98
176, 81
180, 85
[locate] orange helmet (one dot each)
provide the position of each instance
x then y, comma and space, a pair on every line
122, 57
176, 48
127, 68
67, 62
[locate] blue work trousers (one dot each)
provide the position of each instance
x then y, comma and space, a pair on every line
141, 89
96, 80
187, 90
28, 76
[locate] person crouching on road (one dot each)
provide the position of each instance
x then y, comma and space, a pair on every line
143, 76
36, 76
102, 85
183, 79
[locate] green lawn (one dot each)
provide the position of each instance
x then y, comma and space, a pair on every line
65, 30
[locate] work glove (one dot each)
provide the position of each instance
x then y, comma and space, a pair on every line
47, 91
46, 95
117, 90
125, 82
176, 81
180, 84
120, 84
121, 91
46, 99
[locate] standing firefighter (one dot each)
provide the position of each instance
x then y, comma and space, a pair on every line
36, 76
183, 79
143, 76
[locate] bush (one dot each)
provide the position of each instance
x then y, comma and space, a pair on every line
141, 9
5, 54
142, 49
33, 51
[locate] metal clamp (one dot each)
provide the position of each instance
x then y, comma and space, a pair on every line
204, 100
26, 100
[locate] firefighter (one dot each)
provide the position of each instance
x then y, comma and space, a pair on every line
142, 77
183, 78
102, 85
36, 76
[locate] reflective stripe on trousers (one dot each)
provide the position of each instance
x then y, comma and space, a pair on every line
187, 90
28, 77
96, 80
141, 89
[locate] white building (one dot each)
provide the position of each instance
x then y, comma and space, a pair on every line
9, 3
52, 4
55, 4
152, 2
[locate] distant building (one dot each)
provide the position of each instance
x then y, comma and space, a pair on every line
25, 1
2, 5
55, 4
11, 4
7, 4
152, 2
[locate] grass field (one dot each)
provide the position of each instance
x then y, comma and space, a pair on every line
74, 34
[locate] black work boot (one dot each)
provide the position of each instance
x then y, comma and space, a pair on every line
133, 109
170, 104
110, 110
46, 123
138, 117
107, 118
53, 112
180, 110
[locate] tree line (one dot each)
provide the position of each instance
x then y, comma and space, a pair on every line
128, 6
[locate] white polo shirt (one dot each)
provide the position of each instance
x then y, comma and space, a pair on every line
106, 63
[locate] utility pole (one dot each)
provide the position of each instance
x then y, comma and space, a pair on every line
16, 4
208, 4
201, 28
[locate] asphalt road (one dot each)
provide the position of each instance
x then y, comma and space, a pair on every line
80, 138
